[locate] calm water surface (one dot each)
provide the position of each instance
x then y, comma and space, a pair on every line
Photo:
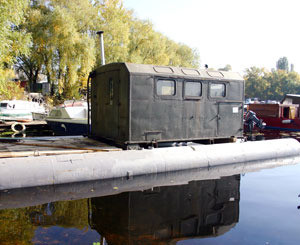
252, 208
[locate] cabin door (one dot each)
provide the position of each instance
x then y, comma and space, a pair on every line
230, 119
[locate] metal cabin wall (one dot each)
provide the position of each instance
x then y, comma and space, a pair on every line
153, 118
109, 103
157, 118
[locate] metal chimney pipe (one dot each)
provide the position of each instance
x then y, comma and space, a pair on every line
100, 33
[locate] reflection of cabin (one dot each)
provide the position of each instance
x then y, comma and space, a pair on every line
289, 111
165, 215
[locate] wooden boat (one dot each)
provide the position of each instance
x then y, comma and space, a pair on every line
282, 117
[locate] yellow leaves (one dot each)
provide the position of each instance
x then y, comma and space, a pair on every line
151, 47
11, 16
8, 88
64, 44
270, 85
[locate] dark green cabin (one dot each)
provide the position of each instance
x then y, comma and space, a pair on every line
146, 104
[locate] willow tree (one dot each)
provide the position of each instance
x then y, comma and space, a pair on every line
13, 42
65, 45
147, 46
114, 20
133, 40
62, 46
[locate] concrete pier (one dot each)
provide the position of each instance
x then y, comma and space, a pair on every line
32, 196
61, 169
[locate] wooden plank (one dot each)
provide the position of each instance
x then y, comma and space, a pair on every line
52, 146
39, 153
64, 147
267, 110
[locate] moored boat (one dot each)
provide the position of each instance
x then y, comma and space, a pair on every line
19, 110
282, 117
69, 118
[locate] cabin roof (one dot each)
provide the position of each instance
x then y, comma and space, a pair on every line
295, 98
172, 71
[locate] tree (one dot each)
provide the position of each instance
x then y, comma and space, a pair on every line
63, 46
13, 42
147, 46
255, 83
226, 68
282, 64
114, 20
64, 42
270, 85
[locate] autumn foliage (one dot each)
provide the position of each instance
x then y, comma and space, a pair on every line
61, 42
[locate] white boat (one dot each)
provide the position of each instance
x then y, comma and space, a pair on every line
19, 110
69, 118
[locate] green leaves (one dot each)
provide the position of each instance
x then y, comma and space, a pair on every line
282, 64
13, 42
270, 85
150, 47
62, 45
59, 40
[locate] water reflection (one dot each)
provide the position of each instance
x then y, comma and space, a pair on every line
35, 224
160, 215
165, 215
154, 209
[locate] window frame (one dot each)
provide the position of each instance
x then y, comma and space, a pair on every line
190, 97
217, 97
174, 96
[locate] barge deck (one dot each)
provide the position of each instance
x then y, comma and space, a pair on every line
46, 146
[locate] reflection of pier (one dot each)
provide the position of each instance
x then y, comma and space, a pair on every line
198, 209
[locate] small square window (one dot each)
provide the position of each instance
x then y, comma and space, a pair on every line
165, 87
192, 89
217, 90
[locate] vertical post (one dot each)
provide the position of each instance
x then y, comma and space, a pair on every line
100, 33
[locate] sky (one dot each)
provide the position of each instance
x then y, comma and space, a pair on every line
242, 33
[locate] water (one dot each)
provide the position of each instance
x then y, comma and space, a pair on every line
253, 208
37, 131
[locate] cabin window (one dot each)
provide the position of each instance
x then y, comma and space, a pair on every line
217, 90
3, 105
165, 87
192, 89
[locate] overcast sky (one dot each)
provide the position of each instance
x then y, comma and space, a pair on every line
242, 33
